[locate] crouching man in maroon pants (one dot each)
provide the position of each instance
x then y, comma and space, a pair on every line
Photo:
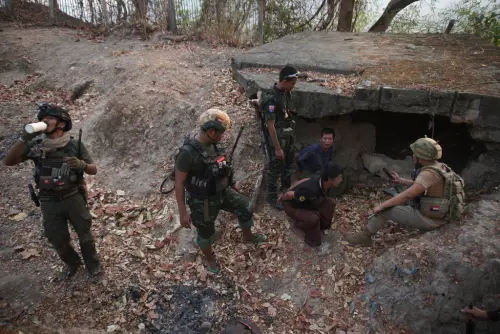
307, 203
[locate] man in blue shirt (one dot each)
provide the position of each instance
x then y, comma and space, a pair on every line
313, 158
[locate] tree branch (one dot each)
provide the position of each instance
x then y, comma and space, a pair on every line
393, 8
313, 17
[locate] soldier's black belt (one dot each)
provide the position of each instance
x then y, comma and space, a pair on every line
57, 197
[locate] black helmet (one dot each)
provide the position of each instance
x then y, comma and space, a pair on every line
46, 109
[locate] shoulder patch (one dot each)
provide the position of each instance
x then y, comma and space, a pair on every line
302, 198
271, 108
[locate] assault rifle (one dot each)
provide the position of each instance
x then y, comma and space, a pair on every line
230, 156
33, 195
262, 126
81, 185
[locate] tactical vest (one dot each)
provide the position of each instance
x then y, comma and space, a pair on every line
202, 184
452, 204
52, 174
284, 123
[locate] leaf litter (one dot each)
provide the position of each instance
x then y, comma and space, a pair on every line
150, 277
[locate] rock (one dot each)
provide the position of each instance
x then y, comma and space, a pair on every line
113, 328
13, 212
18, 248
79, 89
141, 326
205, 327
457, 265
374, 162
411, 47
483, 173
120, 193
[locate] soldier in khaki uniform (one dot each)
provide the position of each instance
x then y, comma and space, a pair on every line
436, 196
58, 175
201, 169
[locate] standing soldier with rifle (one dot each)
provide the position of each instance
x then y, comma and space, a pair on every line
60, 162
204, 172
279, 133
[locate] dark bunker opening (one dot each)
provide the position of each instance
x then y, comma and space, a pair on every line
396, 131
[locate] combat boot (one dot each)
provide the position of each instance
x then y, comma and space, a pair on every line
71, 260
91, 260
363, 238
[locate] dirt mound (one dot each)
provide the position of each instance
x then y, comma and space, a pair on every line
423, 283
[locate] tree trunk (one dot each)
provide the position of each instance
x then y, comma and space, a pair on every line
332, 4
394, 7
345, 15
141, 9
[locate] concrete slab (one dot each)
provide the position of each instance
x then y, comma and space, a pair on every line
457, 76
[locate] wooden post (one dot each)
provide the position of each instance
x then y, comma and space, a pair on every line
105, 12
172, 22
260, 30
449, 27
51, 10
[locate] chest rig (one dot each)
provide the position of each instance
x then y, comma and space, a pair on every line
202, 183
285, 125
52, 174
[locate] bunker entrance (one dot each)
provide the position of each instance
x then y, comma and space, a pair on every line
396, 131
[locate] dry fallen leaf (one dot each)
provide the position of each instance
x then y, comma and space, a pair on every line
19, 216
315, 293
29, 253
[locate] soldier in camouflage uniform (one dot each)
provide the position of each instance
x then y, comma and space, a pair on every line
279, 133
435, 197
58, 175
203, 172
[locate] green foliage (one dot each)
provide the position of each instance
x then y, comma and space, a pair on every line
365, 13
478, 17
281, 19
408, 20
482, 21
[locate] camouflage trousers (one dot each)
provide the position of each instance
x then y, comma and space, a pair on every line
204, 213
280, 169
56, 215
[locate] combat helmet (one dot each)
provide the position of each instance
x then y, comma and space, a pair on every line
46, 109
214, 119
427, 149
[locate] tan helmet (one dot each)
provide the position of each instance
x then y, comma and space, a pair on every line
214, 119
427, 149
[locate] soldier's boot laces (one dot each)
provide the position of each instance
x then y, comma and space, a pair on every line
363, 238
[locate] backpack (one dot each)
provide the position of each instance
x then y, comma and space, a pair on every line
453, 192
